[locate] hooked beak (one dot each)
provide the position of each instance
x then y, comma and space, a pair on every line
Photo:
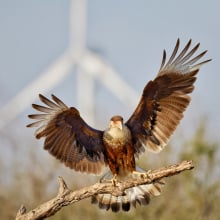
116, 124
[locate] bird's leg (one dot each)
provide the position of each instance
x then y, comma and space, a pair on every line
114, 180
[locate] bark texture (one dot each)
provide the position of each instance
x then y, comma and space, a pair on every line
66, 196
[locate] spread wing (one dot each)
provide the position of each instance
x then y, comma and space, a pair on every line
68, 137
165, 99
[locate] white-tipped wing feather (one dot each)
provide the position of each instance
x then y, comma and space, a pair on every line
165, 99
68, 137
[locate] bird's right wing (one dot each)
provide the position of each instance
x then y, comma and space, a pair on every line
68, 137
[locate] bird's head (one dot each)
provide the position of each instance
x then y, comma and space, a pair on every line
116, 122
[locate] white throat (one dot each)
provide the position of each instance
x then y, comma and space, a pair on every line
116, 132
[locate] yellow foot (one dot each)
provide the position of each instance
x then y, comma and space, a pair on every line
142, 175
113, 180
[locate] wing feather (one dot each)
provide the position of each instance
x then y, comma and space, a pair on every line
173, 54
165, 99
189, 55
181, 55
48, 102
68, 137
42, 108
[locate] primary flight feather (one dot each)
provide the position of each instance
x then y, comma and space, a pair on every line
82, 148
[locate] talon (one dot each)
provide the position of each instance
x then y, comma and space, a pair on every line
142, 175
113, 180
139, 174
148, 174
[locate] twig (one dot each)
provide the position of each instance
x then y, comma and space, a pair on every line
66, 196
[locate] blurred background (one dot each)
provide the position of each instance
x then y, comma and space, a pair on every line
98, 56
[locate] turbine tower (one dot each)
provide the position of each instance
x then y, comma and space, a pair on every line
90, 67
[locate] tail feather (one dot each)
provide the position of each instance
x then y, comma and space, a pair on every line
104, 201
125, 204
133, 196
115, 203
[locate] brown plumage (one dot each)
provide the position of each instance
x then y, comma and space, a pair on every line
82, 148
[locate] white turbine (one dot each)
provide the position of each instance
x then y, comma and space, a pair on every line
90, 66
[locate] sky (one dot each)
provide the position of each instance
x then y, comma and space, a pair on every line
130, 35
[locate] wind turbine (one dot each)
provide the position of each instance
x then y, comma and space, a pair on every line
90, 65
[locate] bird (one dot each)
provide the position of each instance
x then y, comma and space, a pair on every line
70, 139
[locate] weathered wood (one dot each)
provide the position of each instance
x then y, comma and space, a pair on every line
66, 196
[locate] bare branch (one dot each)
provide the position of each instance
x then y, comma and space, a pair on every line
66, 196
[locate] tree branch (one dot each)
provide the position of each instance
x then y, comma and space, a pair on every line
66, 196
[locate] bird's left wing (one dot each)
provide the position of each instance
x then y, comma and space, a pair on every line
68, 137
164, 100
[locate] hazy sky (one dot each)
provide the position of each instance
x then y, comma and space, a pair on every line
131, 35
